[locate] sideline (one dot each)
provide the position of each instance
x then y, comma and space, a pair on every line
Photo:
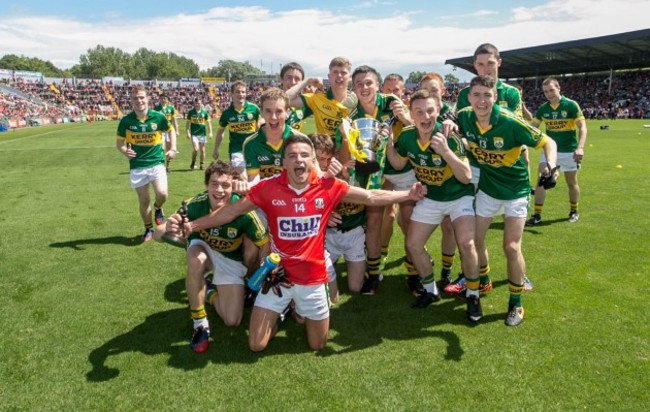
58, 148
20, 139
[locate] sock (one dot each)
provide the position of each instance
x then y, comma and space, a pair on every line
384, 251
211, 295
199, 317
429, 285
515, 293
447, 263
148, 226
573, 206
538, 209
372, 266
472, 287
484, 274
410, 268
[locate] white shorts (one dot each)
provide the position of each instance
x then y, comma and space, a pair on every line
198, 139
487, 206
351, 245
225, 271
564, 160
311, 301
165, 136
476, 174
432, 212
237, 160
142, 177
402, 181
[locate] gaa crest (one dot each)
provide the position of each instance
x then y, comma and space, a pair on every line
498, 142
232, 232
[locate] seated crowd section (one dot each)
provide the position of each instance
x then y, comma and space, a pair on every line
24, 100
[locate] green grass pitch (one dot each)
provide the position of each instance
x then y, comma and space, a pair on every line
94, 320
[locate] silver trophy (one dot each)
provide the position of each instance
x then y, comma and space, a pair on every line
368, 142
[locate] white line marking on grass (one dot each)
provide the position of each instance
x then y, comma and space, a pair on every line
57, 148
21, 139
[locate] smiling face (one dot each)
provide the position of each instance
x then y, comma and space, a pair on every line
481, 98
238, 95
298, 161
366, 86
140, 102
424, 112
219, 189
275, 113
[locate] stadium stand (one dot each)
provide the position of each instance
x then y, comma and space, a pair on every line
608, 75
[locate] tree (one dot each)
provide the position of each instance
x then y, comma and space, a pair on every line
231, 70
414, 77
103, 61
144, 64
13, 62
451, 79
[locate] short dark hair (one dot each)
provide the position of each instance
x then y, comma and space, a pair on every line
487, 48
292, 66
294, 139
366, 69
423, 94
220, 167
486, 81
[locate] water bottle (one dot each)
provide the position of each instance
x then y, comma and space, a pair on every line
256, 280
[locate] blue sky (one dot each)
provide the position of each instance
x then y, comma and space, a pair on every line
392, 36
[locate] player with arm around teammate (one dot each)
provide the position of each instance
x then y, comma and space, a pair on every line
441, 165
494, 137
218, 249
298, 204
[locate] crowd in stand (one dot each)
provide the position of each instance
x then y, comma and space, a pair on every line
628, 96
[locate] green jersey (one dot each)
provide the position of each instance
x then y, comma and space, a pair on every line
226, 239
168, 110
561, 123
198, 121
240, 123
261, 156
507, 96
145, 138
352, 214
430, 168
381, 113
297, 115
497, 151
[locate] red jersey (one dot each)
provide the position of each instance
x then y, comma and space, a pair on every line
297, 222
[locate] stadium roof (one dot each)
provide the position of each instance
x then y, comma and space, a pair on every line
629, 50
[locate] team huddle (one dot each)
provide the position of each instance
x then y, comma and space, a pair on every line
314, 199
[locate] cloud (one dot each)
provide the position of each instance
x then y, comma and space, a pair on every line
312, 37
479, 14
